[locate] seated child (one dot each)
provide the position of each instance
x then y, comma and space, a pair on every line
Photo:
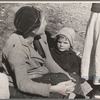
63, 52
65, 57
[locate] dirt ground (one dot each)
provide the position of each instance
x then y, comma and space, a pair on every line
58, 15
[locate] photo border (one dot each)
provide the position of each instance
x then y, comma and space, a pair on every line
49, 1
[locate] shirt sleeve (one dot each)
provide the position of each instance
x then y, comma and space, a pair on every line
17, 60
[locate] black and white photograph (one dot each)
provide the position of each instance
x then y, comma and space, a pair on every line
49, 50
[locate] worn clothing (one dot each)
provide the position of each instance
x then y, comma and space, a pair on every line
70, 62
15, 93
49, 78
67, 60
4, 87
55, 78
91, 55
22, 63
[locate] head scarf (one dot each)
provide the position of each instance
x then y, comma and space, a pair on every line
69, 33
27, 19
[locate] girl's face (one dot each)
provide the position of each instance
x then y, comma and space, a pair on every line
41, 29
63, 44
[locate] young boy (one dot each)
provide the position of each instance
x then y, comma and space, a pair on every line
66, 58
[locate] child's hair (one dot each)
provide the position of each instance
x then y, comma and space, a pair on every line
61, 36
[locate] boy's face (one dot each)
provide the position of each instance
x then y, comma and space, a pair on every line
63, 44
